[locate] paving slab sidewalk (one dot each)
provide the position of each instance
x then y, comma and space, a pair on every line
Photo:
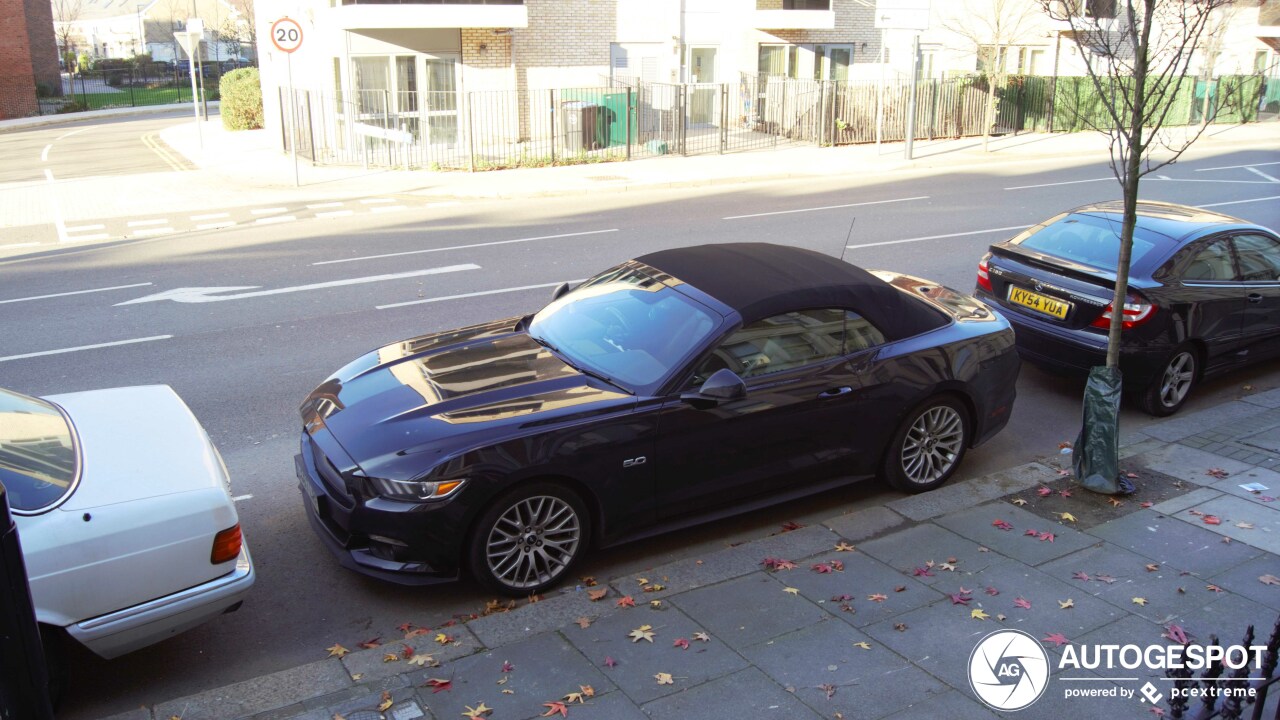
877, 618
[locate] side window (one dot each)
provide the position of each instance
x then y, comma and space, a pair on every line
1259, 258
789, 341
1212, 263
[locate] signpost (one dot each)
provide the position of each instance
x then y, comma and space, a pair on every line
190, 41
286, 35
904, 15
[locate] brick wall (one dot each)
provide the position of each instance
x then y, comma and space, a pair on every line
44, 47
565, 45
17, 81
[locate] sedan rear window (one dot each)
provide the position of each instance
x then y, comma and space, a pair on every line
37, 452
1088, 240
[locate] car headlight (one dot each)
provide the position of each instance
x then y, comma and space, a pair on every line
417, 490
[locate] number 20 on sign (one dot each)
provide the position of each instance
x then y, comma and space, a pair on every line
286, 35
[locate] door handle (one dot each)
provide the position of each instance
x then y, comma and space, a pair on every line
834, 392
1255, 298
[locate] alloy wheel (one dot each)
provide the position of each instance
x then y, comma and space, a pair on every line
1178, 376
933, 444
533, 542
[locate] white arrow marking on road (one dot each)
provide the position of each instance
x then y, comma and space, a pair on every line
1258, 172
205, 294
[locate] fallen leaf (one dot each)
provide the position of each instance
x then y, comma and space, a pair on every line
1226, 540
821, 568
922, 572
1176, 634
1064, 493
1104, 578
587, 691
899, 588
773, 563
423, 661
1114, 502
1269, 580
1214, 588
508, 691
1157, 711
386, 703
1131, 475
789, 526
1044, 492
1066, 604
406, 652
1018, 501
1002, 524
556, 707
1245, 525
1031, 533
983, 548
507, 667
701, 637
574, 697
1064, 445
588, 581
664, 678
477, 712
1217, 472
644, 632
1058, 639
438, 685
417, 632
655, 587
1080, 575
1000, 617
337, 651
949, 567
900, 627
583, 622
390, 657
1212, 520
959, 599
844, 547
642, 581
1067, 517
1152, 567
829, 689
1022, 602
655, 604
864, 645
1140, 601
1064, 473
1047, 536
877, 597
1266, 498
594, 595
992, 591
626, 601
357, 677
371, 643
791, 590
405, 627
610, 662
444, 639
977, 614
1146, 504
681, 643
841, 598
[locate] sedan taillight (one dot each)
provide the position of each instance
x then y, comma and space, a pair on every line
1136, 311
226, 545
984, 279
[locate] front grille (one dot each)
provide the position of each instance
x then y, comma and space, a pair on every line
331, 478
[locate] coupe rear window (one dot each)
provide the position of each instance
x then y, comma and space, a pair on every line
1088, 240
37, 452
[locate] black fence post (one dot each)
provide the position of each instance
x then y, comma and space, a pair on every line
629, 110
24, 681
551, 99
129, 79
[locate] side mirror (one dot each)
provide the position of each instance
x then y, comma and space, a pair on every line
560, 290
723, 385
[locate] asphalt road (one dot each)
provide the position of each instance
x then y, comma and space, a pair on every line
280, 307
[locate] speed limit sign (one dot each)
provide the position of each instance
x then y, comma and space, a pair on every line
286, 35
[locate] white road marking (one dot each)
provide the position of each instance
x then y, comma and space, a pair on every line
210, 216
1227, 182
1235, 167
274, 219
827, 207
464, 247
1258, 172
44, 155
1238, 202
268, 211
239, 498
446, 203
387, 208
145, 232
203, 294
472, 294
73, 132
86, 238
375, 201
73, 292
939, 237
42, 353
81, 228
335, 213
18, 245
317, 206
216, 225
1065, 182
142, 223
58, 223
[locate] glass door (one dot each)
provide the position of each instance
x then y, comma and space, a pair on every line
702, 69
440, 99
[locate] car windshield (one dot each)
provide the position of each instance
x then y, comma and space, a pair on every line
37, 452
625, 326
1088, 240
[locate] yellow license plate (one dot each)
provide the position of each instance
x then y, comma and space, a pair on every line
1038, 302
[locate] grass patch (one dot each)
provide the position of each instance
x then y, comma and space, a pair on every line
139, 96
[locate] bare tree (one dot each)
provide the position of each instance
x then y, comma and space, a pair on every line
65, 15
992, 27
1215, 38
246, 24
1136, 62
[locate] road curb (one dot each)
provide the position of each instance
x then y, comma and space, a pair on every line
41, 121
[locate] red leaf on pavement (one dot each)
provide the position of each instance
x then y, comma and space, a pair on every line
992, 591
841, 598
922, 572
821, 568
507, 667
438, 685
556, 707
1022, 602
1157, 711
1176, 634
406, 651
1217, 472
417, 632
1047, 536
1032, 533
773, 563
1002, 525
1212, 520
1058, 639
837, 565
406, 627
1080, 575
610, 662
1064, 493
681, 643
1044, 492
960, 599
789, 526
626, 601
371, 643
1146, 504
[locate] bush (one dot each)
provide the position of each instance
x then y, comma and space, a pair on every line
241, 92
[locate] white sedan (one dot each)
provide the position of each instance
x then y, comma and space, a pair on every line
124, 513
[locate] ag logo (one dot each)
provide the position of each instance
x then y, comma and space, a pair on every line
1008, 670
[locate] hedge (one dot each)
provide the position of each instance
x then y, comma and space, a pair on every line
241, 92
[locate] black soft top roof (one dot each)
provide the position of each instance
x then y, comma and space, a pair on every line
760, 280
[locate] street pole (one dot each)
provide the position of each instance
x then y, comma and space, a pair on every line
195, 97
293, 118
880, 97
911, 104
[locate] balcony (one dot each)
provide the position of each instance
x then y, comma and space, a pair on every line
794, 15
363, 14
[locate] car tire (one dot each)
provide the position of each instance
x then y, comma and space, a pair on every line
1172, 386
529, 539
929, 445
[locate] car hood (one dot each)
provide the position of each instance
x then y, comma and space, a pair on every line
403, 408
135, 443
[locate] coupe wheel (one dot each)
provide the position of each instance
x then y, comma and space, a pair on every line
529, 539
1172, 386
929, 446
